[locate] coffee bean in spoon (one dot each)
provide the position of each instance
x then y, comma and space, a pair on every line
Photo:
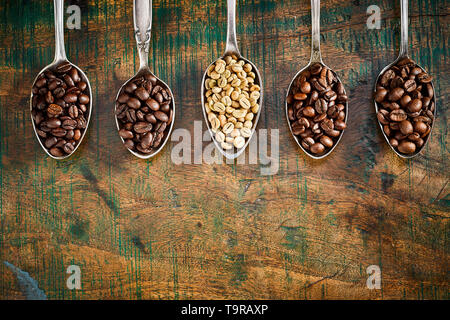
405, 100
144, 113
60, 108
316, 109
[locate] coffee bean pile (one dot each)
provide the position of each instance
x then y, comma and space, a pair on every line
405, 99
60, 108
144, 112
316, 109
232, 101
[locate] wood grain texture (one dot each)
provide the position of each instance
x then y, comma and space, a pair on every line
155, 230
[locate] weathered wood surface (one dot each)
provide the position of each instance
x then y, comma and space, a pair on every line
156, 230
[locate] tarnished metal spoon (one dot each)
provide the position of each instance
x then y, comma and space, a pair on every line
316, 57
142, 18
232, 49
402, 55
60, 58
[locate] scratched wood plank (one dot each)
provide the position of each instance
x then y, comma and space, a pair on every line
156, 230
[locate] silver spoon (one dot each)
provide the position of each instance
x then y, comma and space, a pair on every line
142, 18
316, 57
402, 55
60, 58
230, 49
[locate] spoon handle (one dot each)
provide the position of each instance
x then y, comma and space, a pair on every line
232, 45
142, 17
60, 52
316, 56
404, 25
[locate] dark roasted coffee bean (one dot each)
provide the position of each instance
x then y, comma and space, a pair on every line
58, 132
56, 152
82, 85
74, 75
69, 124
70, 98
68, 80
50, 142
73, 111
68, 147
64, 67
53, 123
59, 92
40, 82
81, 122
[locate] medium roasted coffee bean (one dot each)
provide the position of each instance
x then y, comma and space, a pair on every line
54, 110
134, 103
398, 115
142, 93
406, 127
415, 105
142, 127
152, 104
406, 147
83, 99
317, 148
326, 141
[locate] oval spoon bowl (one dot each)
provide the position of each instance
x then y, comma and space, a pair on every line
418, 150
84, 78
232, 155
325, 154
167, 133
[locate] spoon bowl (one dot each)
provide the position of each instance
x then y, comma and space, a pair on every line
316, 58
142, 18
404, 55
232, 50
60, 59
143, 73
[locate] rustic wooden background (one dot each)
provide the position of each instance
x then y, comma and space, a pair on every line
155, 230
